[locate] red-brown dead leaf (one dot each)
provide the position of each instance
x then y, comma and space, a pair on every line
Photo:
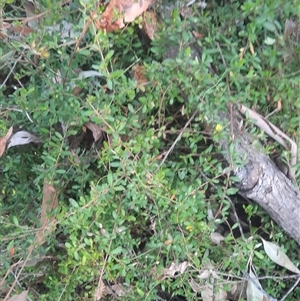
76, 91
8, 28
173, 269
12, 252
24, 30
5, 25
198, 35
116, 289
139, 74
50, 202
100, 290
149, 24
119, 11
279, 106
3, 141
33, 19
96, 130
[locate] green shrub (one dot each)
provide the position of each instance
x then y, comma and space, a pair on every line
121, 215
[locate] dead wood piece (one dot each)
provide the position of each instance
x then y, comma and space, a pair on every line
264, 183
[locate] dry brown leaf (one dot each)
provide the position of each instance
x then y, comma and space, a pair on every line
3, 141
149, 24
207, 292
204, 275
50, 202
216, 237
174, 268
278, 256
139, 74
103, 290
279, 106
32, 18
100, 291
211, 290
4, 287
8, 28
115, 289
254, 288
196, 287
198, 35
251, 48
12, 252
290, 27
119, 11
20, 297
95, 129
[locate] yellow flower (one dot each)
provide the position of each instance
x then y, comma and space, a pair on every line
44, 53
189, 228
218, 128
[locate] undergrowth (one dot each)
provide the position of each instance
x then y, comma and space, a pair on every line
126, 215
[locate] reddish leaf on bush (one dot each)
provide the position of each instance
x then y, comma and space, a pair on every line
149, 24
50, 202
139, 74
119, 12
6, 28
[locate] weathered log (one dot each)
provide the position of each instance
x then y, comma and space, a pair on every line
264, 183
260, 179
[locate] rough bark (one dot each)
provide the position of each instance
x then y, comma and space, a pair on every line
264, 183
260, 179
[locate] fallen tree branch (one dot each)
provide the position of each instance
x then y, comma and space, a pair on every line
263, 182
275, 133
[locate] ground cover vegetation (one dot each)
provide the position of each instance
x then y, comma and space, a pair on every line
97, 201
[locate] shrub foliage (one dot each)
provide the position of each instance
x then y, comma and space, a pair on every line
129, 212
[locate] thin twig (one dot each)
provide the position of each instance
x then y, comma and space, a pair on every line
100, 116
30, 250
225, 65
177, 139
20, 285
229, 200
291, 289
11, 70
228, 88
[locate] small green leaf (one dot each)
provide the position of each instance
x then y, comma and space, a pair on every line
116, 251
110, 179
232, 191
68, 245
74, 203
269, 26
115, 164
109, 55
259, 255
140, 292
15, 220
76, 255
116, 73
57, 134
130, 108
109, 84
85, 52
